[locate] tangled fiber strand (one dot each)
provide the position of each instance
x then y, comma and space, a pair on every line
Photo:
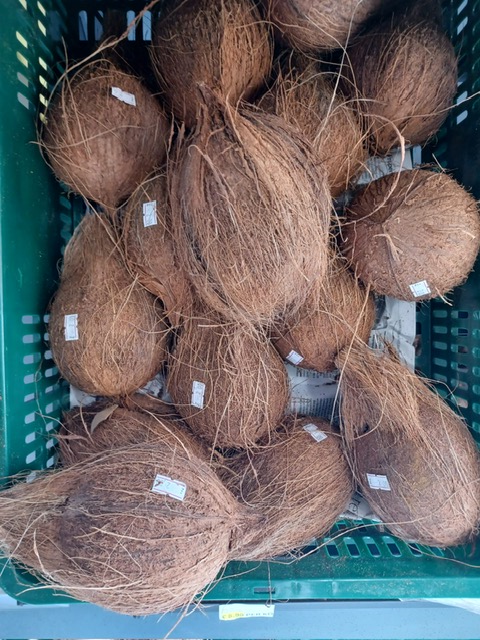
396, 426
250, 213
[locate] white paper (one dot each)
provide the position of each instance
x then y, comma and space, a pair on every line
150, 213
71, 327
294, 357
241, 610
317, 434
378, 167
124, 96
397, 326
164, 485
312, 393
420, 288
359, 509
378, 482
198, 394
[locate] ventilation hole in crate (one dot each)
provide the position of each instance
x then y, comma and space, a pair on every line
23, 3
30, 319
462, 79
439, 362
460, 332
459, 314
52, 371
23, 100
439, 377
147, 26
43, 100
372, 546
476, 426
392, 546
21, 39
50, 443
29, 397
414, 549
46, 337
341, 525
463, 96
51, 407
459, 384
43, 64
461, 403
30, 418
459, 348
50, 462
442, 346
82, 26
48, 355
476, 371
30, 338
439, 313
457, 366
476, 408
461, 117
32, 358
439, 329
462, 25
46, 318
332, 550
132, 32
462, 6
21, 78
29, 379
31, 457
98, 26
49, 426
30, 437
42, 8
352, 548
43, 82
52, 388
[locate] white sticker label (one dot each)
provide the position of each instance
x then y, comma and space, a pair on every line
420, 288
168, 487
315, 432
124, 96
241, 610
150, 213
379, 483
294, 357
71, 327
198, 394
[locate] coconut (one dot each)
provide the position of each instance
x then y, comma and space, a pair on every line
320, 24
104, 133
405, 76
250, 212
413, 235
308, 99
413, 457
139, 530
104, 425
149, 246
107, 333
299, 480
222, 43
336, 310
228, 383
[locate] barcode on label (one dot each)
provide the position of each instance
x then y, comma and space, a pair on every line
241, 610
167, 487
378, 482
150, 213
198, 394
71, 326
420, 289
294, 357
317, 434
124, 96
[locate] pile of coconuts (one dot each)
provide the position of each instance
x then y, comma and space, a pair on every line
225, 235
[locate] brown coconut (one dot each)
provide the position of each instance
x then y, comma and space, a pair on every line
228, 383
120, 339
414, 227
336, 310
401, 434
98, 531
98, 145
250, 212
104, 426
308, 100
299, 480
404, 74
222, 43
149, 250
320, 24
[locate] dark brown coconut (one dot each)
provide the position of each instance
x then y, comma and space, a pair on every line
230, 385
320, 24
149, 250
336, 310
401, 434
308, 100
405, 76
99, 532
222, 43
300, 481
119, 342
98, 145
408, 229
250, 212
104, 426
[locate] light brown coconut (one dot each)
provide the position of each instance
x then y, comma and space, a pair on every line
149, 250
404, 74
222, 43
320, 24
105, 425
299, 480
98, 531
250, 212
418, 226
228, 383
399, 430
120, 339
98, 145
308, 99
336, 310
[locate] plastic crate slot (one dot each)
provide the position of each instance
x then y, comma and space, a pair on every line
461, 117
460, 332
270, 590
462, 78
98, 26
29, 379
132, 33
462, 24
147, 26
439, 377
352, 547
23, 100
439, 329
459, 384
439, 313
458, 366
461, 402
463, 96
31, 457
52, 406
31, 338
459, 348
30, 418
46, 337
29, 397
82, 26
442, 346
21, 78
440, 362
414, 549
32, 358
476, 352
23, 3
43, 82
52, 388
462, 6
372, 546
52, 371
48, 355
332, 550
43, 64
42, 28
21, 39
476, 426
50, 462
30, 437
459, 314
31, 319
392, 546
42, 8
50, 443
49, 426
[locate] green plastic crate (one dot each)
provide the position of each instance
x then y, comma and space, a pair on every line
36, 220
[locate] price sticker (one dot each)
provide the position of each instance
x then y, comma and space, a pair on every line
317, 434
124, 96
150, 213
198, 394
295, 358
378, 482
71, 327
168, 487
420, 289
